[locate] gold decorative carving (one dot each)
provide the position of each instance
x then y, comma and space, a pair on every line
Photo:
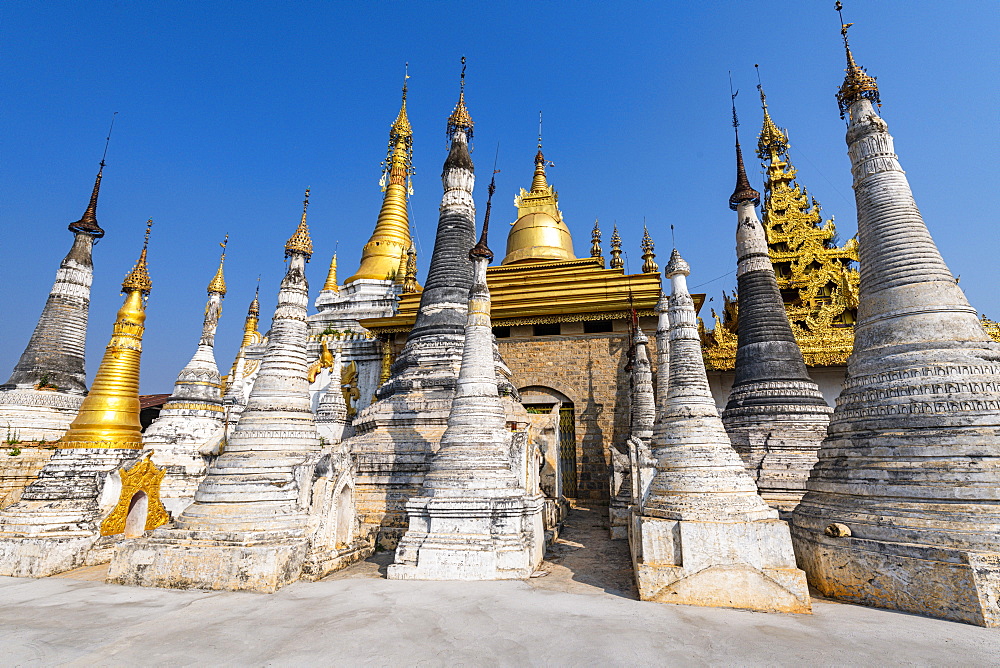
992, 328
349, 388
815, 275
143, 477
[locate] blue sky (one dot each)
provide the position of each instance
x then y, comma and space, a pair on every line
229, 110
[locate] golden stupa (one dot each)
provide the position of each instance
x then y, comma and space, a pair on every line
109, 415
539, 232
386, 249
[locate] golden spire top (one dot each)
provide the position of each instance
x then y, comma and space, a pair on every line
300, 242
649, 265
858, 84
772, 138
218, 283
595, 241
254, 310
381, 256
138, 280
616, 249
401, 126
460, 118
331, 276
539, 183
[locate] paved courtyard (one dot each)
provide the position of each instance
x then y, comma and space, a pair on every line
584, 612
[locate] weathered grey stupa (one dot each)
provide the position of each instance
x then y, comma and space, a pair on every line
634, 472
48, 384
479, 513
250, 525
398, 433
903, 508
776, 416
191, 422
703, 536
97, 488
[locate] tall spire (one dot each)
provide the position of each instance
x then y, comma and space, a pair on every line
218, 283
476, 477
702, 489
88, 223
776, 415
743, 191
387, 245
300, 241
909, 472
109, 415
539, 184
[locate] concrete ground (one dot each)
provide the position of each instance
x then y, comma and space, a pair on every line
583, 612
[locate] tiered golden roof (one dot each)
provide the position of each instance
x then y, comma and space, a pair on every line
595, 242
819, 287
109, 414
218, 283
300, 241
616, 249
858, 84
387, 246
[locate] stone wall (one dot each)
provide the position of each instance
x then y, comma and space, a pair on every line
19, 470
590, 370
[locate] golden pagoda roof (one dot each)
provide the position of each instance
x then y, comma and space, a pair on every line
539, 232
549, 292
460, 118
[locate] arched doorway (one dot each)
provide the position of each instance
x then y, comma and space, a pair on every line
138, 509
538, 399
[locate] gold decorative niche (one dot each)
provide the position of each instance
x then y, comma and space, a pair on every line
143, 477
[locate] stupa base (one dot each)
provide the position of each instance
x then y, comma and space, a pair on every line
952, 584
746, 565
471, 539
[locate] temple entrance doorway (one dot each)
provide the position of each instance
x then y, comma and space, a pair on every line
543, 400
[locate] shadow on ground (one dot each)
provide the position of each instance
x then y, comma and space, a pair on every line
583, 559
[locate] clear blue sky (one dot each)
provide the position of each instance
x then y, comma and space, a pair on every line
229, 110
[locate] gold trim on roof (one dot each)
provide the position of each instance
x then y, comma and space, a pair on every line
300, 241
858, 84
218, 283
138, 279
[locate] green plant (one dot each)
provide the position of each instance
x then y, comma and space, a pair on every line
14, 452
12, 437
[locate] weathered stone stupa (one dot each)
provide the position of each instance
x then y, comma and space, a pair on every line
479, 513
249, 526
776, 416
633, 470
703, 536
399, 432
94, 485
48, 383
903, 508
191, 423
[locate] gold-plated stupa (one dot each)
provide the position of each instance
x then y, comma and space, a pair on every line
539, 232
381, 256
109, 415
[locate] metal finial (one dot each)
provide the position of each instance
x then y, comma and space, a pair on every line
539, 130
760, 87
107, 140
481, 249
732, 97
463, 73
406, 75
149, 227
224, 243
